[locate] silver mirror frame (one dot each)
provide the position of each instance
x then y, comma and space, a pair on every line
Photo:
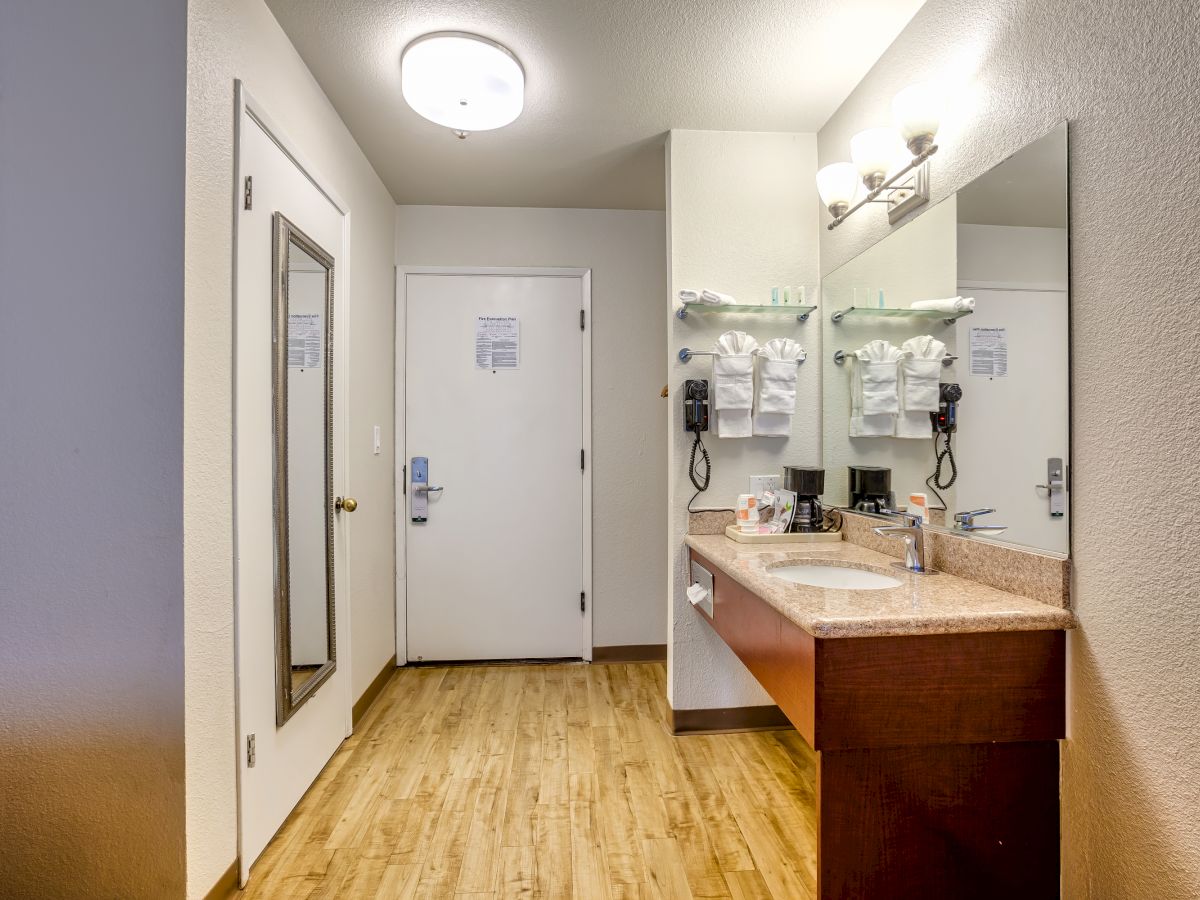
286, 702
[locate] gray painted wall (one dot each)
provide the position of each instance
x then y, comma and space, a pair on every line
1126, 76
91, 448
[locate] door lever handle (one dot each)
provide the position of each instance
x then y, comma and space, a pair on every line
428, 488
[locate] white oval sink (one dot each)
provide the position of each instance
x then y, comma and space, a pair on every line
836, 577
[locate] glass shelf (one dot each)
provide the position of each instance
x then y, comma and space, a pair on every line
800, 312
864, 311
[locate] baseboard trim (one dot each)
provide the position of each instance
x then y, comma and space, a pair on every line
373, 689
630, 653
718, 721
226, 885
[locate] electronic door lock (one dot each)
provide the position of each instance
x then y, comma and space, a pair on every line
421, 489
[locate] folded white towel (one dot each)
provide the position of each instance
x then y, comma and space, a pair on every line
776, 398
716, 297
776, 386
733, 382
948, 305
689, 296
914, 425
734, 423
920, 373
874, 385
773, 424
872, 426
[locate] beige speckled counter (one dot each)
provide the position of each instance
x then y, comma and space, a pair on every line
923, 604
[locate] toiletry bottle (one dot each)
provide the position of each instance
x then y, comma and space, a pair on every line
881, 298
787, 296
774, 296
802, 300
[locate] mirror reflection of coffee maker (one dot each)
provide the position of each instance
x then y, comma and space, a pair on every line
809, 483
871, 489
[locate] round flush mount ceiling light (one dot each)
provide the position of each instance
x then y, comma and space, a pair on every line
462, 81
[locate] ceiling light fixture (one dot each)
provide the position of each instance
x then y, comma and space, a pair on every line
879, 159
462, 81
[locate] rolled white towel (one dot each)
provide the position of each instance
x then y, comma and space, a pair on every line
716, 298
689, 296
948, 305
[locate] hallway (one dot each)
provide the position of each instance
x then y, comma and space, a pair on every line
546, 781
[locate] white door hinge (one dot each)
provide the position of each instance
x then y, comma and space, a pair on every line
250, 751
248, 193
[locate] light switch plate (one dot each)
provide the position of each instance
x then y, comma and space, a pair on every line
760, 484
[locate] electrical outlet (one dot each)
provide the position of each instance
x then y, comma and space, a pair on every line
760, 484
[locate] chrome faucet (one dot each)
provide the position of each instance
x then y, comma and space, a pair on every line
914, 538
965, 521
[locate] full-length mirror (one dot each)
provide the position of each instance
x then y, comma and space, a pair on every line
303, 383
946, 360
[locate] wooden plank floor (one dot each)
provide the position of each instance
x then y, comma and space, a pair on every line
556, 781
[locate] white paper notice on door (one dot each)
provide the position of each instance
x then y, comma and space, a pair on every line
304, 341
497, 342
989, 352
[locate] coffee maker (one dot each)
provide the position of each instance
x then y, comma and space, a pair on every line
809, 483
871, 489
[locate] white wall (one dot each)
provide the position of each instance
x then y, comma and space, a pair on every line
1131, 775
916, 262
741, 218
91, 443
230, 39
625, 251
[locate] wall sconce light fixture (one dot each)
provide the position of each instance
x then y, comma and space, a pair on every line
879, 156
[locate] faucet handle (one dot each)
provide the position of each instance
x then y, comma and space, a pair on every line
968, 518
907, 517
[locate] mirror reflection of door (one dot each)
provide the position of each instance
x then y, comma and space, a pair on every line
304, 538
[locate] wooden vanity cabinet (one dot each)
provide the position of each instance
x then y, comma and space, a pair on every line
937, 755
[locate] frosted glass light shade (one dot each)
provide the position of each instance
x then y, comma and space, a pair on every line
875, 153
462, 81
917, 113
838, 185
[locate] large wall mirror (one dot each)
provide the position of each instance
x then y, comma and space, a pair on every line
995, 253
303, 430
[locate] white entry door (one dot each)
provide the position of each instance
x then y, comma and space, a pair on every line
286, 757
497, 399
1008, 426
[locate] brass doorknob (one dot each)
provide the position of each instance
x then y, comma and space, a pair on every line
349, 504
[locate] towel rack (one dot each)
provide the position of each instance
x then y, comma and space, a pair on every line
839, 357
685, 355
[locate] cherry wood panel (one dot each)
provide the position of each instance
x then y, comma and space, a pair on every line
778, 654
941, 689
953, 820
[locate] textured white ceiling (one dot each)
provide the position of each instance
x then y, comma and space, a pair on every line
605, 79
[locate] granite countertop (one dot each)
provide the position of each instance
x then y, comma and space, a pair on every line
923, 604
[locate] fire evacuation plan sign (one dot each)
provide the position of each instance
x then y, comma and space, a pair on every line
497, 342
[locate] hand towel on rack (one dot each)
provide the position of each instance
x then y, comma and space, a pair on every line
879, 377
716, 298
775, 400
920, 374
733, 384
948, 305
873, 390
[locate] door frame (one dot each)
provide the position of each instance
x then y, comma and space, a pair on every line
401, 382
244, 103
